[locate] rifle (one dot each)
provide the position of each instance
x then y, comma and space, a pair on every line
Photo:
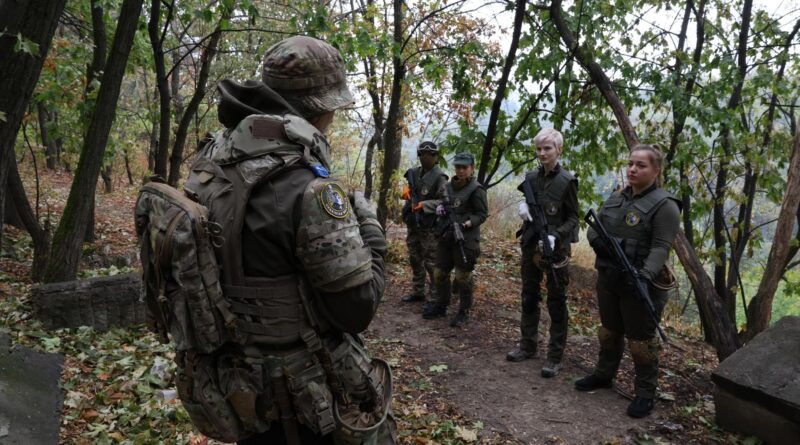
627, 268
415, 198
457, 233
540, 222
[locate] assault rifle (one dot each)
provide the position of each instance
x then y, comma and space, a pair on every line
539, 222
458, 234
633, 275
415, 198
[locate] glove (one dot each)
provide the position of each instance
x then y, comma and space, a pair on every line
418, 207
369, 227
440, 210
406, 193
525, 212
552, 240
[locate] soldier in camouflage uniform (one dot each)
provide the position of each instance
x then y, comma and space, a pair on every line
424, 183
465, 197
302, 266
645, 218
556, 193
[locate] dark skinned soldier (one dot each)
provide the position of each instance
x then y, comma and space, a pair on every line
645, 218
301, 263
556, 192
465, 197
426, 181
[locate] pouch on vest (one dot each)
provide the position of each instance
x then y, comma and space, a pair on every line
179, 269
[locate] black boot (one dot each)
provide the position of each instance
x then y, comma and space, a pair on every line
434, 311
411, 298
640, 407
592, 382
461, 318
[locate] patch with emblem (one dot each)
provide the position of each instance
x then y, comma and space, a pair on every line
551, 208
457, 202
632, 218
425, 190
334, 201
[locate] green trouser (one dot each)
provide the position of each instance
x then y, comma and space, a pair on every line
623, 314
532, 278
421, 245
448, 256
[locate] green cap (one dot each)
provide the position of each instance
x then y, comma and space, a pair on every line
309, 74
464, 159
428, 147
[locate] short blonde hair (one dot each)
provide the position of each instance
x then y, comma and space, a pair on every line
550, 135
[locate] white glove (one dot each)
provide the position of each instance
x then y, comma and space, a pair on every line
525, 212
552, 241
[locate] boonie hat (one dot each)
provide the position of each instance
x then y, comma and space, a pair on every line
309, 74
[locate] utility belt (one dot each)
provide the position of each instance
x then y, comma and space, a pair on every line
282, 369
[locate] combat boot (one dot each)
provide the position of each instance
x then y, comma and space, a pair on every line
520, 354
434, 311
411, 298
640, 407
461, 318
592, 382
551, 369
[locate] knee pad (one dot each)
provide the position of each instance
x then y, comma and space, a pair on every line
530, 303
645, 352
610, 340
440, 275
462, 278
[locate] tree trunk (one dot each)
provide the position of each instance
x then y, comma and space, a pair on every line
162, 83
66, 252
191, 110
393, 137
128, 167
39, 235
723, 331
760, 308
486, 155
34, 21
108, 178
51, 151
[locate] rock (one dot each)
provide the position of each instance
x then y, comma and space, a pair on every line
102, 303
758, 389
30, 399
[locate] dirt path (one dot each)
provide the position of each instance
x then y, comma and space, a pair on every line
507, 397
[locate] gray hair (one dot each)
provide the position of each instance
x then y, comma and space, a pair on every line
549, 135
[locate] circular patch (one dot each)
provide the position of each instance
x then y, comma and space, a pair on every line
551, 208
425, 190
334, 201
457, 202
632, 218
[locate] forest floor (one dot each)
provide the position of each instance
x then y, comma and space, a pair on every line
451, 385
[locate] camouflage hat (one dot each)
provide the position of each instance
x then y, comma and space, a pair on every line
464, 159
309, 74
428, 147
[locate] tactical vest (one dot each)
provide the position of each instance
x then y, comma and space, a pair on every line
631, 222
426, 188
461, 206
284, 360
551, 197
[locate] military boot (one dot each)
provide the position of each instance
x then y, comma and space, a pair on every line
519, 354
461, 318
640, 407
411, 298
592, 382
551, 369
434, 311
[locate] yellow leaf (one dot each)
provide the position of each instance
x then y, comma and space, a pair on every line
466, 434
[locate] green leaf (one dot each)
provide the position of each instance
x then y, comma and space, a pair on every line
437, 368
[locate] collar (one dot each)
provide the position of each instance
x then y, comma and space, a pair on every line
553, 172
628, 191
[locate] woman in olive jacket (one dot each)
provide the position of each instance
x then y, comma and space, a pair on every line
645, 218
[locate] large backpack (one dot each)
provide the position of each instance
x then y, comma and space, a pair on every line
180, 271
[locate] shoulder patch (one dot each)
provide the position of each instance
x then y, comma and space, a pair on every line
334, 200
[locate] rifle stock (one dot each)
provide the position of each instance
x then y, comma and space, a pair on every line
627, 268
458, 234
541, 223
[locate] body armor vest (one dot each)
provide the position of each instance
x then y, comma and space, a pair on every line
550, 196
631, 222
426, 188
461, 207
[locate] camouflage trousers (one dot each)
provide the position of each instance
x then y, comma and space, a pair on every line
421, 245
532, 277
623, 315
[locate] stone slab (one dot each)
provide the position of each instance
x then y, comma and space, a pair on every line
765, 373
30, 399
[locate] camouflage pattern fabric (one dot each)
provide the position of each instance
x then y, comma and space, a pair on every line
422, 256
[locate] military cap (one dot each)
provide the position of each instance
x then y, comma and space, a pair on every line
309, 74
428, 147
464, 159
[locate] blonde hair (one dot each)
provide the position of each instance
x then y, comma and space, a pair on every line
549, 135
656, 158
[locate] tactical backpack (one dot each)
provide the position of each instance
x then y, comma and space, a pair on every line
180, 272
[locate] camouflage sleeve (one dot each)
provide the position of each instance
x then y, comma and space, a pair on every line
341, 246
